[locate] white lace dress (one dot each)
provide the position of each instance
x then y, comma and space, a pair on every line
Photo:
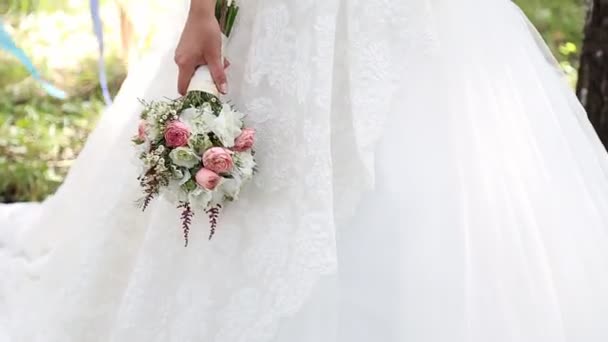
426, 176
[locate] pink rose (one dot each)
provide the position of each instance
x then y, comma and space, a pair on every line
218, 160
207, 179
244, 141
141, 130
177, 134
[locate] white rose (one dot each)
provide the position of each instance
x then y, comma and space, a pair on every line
181, 175
184, 157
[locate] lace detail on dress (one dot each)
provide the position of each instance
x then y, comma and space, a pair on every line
377, 42
316, 102
288, 74
383, 39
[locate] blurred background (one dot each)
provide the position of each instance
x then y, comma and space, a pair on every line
40, 135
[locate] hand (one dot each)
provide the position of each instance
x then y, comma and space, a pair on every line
200, 44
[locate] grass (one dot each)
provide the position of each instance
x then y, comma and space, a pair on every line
41, 136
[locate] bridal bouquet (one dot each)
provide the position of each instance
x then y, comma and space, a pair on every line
195, 150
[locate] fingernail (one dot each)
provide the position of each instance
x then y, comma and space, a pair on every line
224, 88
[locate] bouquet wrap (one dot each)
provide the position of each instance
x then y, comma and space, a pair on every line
202, 79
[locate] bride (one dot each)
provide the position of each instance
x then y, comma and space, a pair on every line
425, 175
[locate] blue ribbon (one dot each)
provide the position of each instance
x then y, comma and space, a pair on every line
7, 43
98, 30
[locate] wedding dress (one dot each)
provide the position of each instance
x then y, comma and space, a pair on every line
426, 175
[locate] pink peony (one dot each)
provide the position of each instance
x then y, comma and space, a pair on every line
218, 160
177, 134
244, 141
141, 130
207, 179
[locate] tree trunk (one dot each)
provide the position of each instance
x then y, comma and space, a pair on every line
592, 88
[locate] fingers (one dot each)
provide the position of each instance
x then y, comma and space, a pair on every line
218, 74
186, 71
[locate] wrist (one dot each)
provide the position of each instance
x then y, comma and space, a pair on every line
202, 9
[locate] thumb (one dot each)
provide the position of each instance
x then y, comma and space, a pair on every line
216, 68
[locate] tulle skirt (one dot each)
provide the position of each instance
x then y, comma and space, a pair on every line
426, 175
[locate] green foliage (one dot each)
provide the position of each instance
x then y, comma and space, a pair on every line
561, 24
41, 136
30, 6
38, 140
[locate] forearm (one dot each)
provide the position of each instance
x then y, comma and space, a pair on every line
202, 8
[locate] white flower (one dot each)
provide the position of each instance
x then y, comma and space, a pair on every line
188, 115
217, 196
174, 193
227, 126
199, 120
153, 132
184, 157
200, 198
230, 188
245, 164
181, 175
142, 148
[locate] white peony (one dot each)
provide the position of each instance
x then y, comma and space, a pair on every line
199, 120
227, 126
188, 115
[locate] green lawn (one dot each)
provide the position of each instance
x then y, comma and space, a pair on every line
39, 135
